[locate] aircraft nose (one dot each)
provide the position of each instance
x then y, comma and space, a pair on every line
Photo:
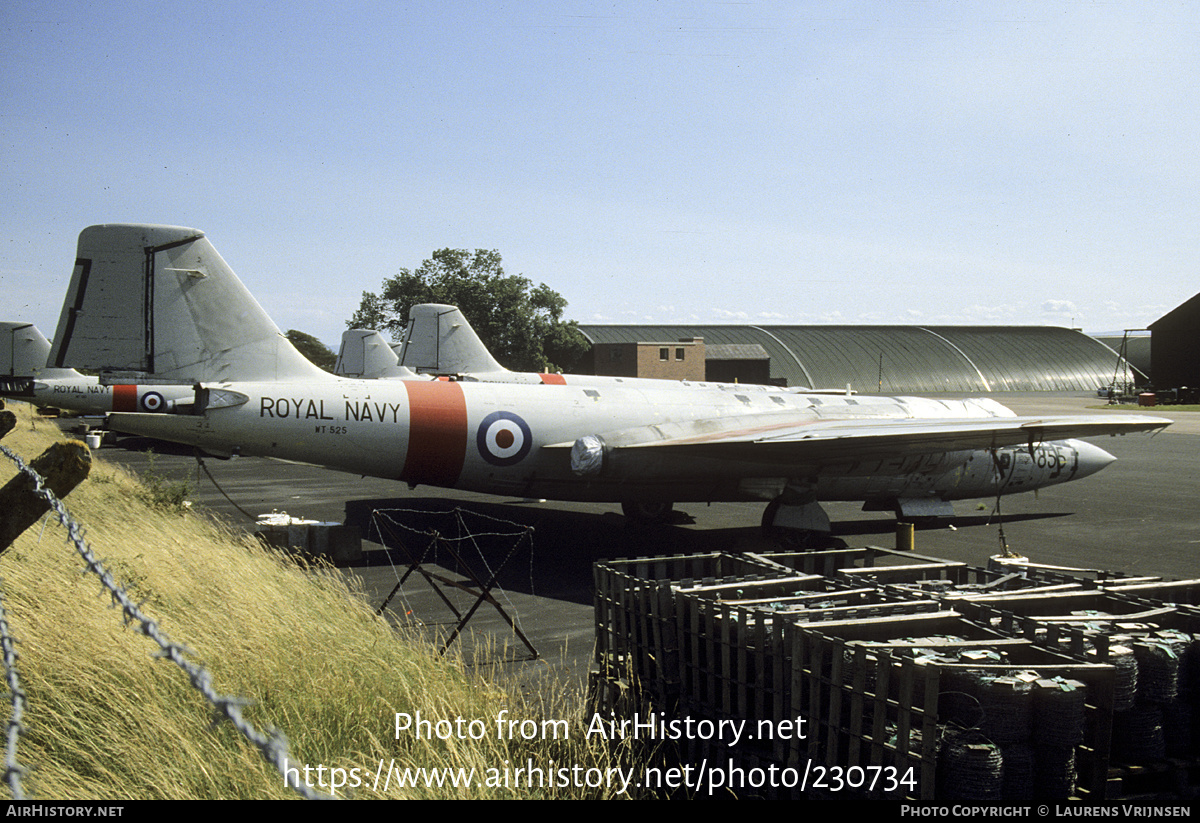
1092, 458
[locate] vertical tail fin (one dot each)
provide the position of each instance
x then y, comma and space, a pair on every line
23, 350
365, 353
159, 300
440, 340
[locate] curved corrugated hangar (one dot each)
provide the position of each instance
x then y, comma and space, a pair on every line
887, 359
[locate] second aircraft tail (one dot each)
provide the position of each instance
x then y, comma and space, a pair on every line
23, 350
439, 340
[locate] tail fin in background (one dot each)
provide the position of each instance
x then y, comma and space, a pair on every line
440, 340
366, 354
23, 350
159, 300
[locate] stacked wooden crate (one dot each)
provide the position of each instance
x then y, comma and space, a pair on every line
935, 670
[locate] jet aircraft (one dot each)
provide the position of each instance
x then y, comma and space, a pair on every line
440, 342
645, 444
26, 376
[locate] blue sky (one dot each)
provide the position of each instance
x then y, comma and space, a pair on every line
764, 162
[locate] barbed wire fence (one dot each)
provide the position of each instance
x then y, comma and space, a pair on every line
390, 527
12, 770
272, 745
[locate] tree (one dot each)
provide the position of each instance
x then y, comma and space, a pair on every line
317, 352
521, 324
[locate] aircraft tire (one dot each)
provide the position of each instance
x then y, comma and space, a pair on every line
768, 517
796, 539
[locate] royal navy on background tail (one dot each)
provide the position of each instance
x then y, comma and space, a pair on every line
24, 375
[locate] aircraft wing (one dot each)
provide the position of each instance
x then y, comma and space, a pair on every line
870, 438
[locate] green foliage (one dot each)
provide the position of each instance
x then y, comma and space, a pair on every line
317, 352
163, 493
521, 324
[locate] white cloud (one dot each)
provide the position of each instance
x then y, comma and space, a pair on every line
1059, 307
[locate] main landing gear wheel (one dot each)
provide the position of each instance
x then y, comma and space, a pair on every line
644, 511
768, 517
798, 538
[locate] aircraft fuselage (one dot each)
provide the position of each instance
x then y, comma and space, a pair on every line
87, 395
516, 440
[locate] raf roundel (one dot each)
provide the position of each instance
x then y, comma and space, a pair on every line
152, 401
503, 439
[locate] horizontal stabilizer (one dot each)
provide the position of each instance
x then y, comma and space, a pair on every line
176, 428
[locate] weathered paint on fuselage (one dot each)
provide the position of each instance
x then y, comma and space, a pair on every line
493, 438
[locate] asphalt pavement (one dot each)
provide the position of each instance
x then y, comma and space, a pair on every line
1139, 515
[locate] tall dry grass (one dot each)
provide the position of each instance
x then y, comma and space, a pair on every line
107, 720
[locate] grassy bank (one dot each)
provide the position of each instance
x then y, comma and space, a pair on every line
106, 719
